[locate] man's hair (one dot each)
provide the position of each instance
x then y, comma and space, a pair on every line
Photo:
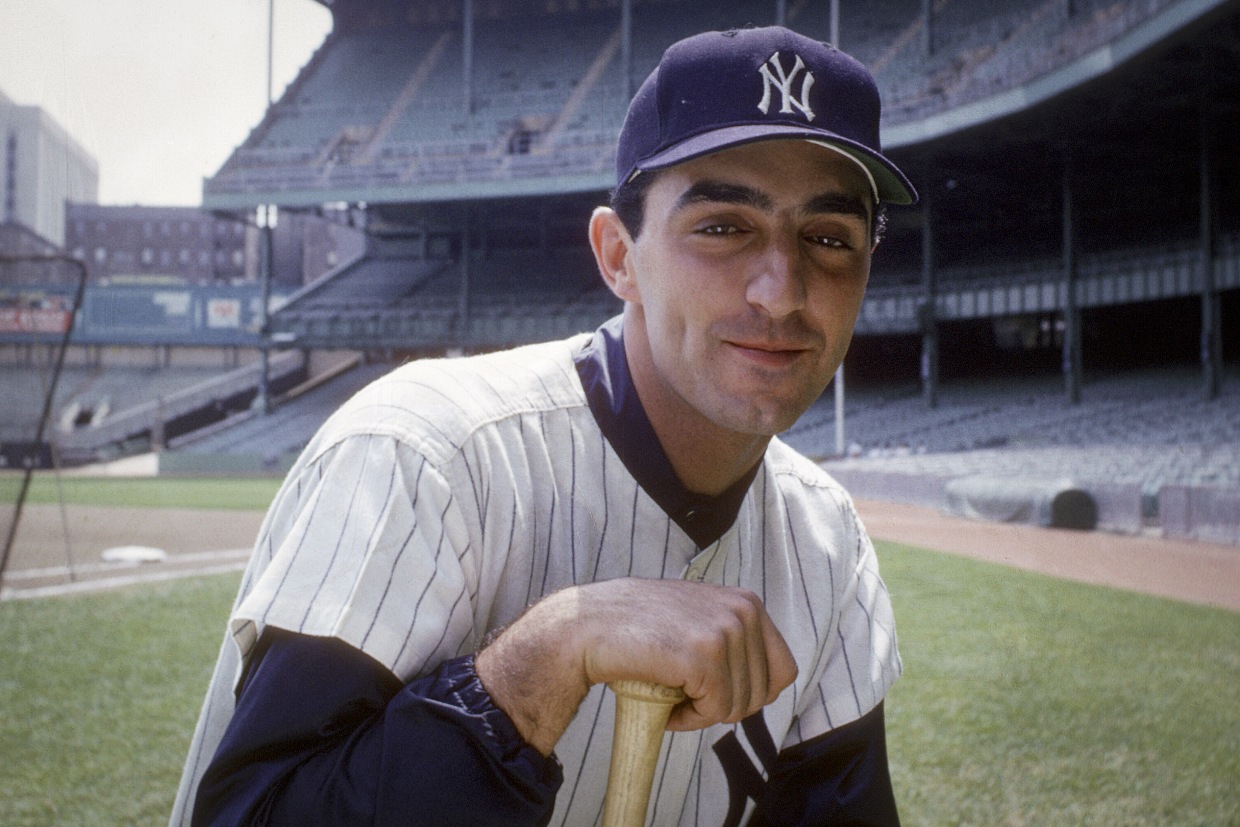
628, 201
629, 204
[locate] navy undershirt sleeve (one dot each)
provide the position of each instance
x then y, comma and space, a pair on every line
324, 735
839, 778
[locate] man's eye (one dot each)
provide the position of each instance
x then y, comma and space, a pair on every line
719, 229
827, 241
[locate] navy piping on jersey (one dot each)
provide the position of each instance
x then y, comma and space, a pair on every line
604, 371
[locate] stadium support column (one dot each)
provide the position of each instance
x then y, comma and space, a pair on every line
271, 35
266, 217
467, 53
1071, 313
781, 12
466, 243
1211, 315
927, 26
928, 316
626, 45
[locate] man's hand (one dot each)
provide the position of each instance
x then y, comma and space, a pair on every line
716, 643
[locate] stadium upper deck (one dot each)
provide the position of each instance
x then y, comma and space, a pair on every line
1072, 156
437, 101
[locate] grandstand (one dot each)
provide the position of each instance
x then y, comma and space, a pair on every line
250, 442
1142, 443
135, 403
1071, 277
455, 123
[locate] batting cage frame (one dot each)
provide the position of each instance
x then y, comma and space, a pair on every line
32, 457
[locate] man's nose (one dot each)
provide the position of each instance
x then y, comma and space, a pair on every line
777, 285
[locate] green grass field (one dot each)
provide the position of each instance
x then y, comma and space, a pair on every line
1028, 700
99, 696
1025, 700
243, 493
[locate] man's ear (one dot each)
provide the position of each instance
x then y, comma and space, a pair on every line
613, 248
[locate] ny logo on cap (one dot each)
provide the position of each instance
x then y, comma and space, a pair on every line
781, 80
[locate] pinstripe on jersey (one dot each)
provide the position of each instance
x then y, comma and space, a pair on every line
444, 498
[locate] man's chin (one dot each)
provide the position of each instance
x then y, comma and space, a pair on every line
762, 420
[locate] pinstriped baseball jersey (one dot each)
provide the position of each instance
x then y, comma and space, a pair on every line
446, 497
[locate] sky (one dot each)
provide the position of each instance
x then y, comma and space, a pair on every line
158, 91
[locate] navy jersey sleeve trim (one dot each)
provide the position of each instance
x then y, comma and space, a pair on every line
325, 735
839, 778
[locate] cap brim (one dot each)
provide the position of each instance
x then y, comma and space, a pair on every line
891, 185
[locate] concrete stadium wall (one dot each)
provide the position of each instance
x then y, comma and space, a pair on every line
1200, 513
1119, 507
1209, 514
175, 314
914, 489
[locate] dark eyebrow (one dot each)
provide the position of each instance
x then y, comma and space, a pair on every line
724, 193
840, 203
717, 191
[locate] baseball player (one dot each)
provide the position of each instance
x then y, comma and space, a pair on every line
470, 548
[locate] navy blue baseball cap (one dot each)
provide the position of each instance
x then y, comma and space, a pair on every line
721, 89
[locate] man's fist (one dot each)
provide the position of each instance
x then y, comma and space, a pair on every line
716, 643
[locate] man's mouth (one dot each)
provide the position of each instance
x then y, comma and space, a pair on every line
770, 354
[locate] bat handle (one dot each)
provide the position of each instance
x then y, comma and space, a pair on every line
642, 710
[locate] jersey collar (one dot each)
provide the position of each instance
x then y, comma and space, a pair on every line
612, 397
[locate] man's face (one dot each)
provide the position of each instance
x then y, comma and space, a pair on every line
744, 283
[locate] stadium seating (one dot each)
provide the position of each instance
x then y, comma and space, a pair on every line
94, 393
113, 407
1134, 441
251, 443
383, 112
388, 106
1144, 408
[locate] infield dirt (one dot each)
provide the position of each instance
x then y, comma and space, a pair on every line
49, 538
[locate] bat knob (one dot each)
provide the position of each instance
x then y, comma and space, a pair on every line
642, 710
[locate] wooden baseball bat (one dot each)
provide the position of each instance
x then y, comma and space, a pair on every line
642, 710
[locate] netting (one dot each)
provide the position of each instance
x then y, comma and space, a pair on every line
39, 297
